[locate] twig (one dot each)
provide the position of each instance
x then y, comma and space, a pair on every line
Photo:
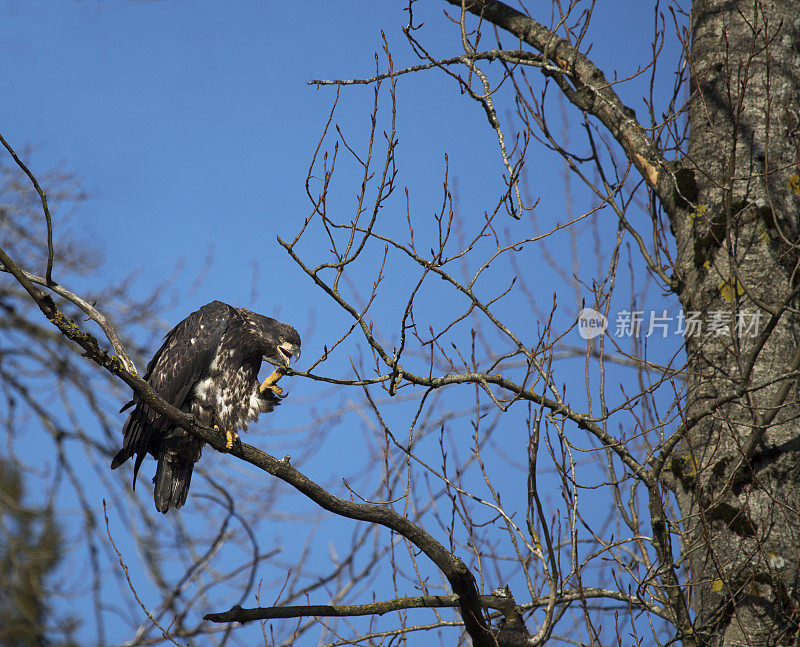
516, 57
164, 632
49, 271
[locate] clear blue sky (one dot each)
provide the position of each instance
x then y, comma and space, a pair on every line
191, 123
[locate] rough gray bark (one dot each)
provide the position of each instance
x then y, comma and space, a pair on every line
737, 236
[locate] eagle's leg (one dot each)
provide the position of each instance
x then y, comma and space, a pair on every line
271, 382
230, 438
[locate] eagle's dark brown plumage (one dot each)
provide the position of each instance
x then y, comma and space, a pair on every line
208, 366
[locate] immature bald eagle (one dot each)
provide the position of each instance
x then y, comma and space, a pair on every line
208, 366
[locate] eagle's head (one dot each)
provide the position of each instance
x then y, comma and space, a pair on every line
277, 342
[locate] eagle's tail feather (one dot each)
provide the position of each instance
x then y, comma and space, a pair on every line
132, 442
173, 476
174, 472
121, 456
137, 433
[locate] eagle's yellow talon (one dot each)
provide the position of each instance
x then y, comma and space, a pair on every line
271, 383
230, 438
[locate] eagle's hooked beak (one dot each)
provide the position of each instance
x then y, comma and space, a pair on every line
289, 352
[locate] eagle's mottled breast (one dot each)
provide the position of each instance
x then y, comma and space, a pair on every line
227, 394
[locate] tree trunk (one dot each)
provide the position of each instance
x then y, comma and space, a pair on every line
735, 219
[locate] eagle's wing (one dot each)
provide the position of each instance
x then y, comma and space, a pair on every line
187, 352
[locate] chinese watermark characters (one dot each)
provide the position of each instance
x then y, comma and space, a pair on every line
630, 323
